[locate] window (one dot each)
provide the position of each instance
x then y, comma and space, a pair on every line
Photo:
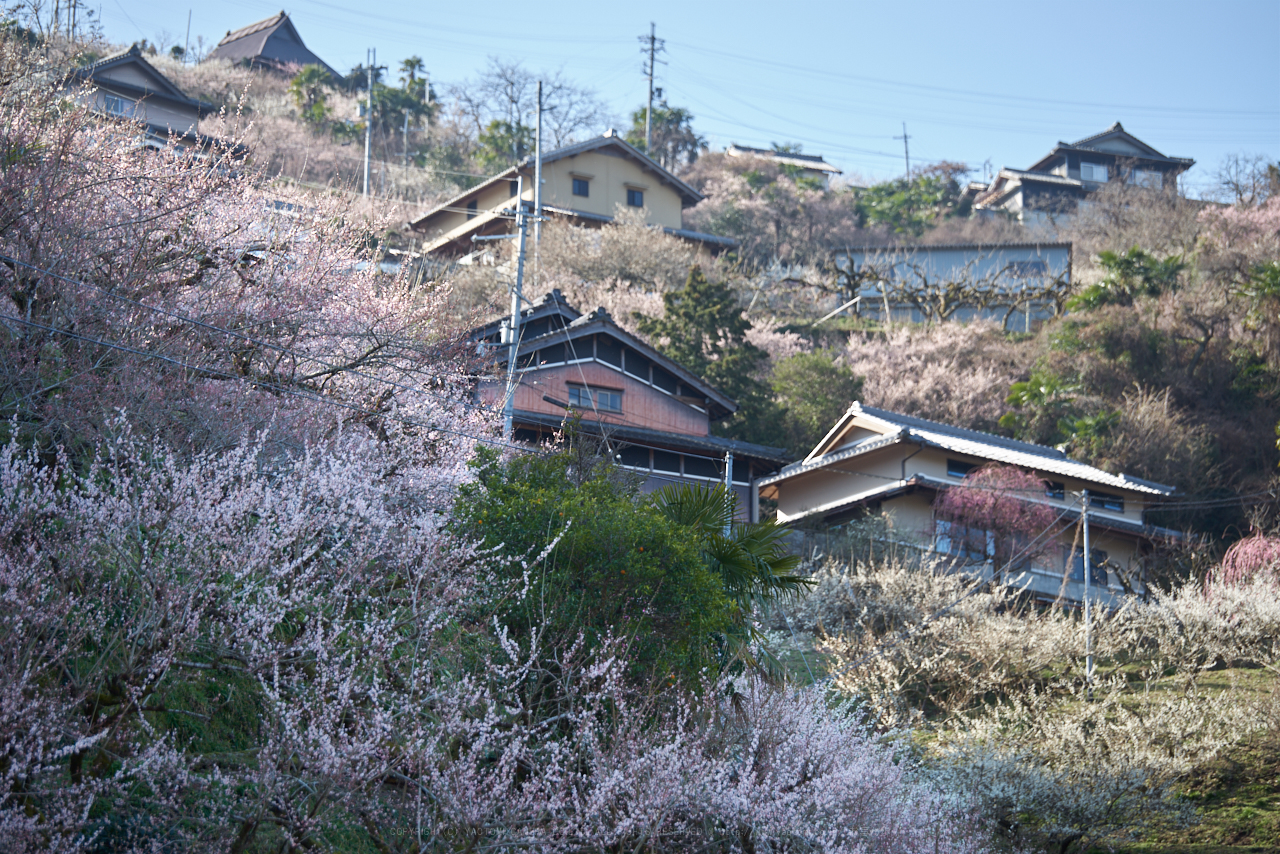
1097, 566
601, 399
635, 198
117, 106
1028, 269
636, 458
956, 468
1056, 491
1106, 501
964, 542
513, 187
1148, 178
1094, 172
471, 209
581, 187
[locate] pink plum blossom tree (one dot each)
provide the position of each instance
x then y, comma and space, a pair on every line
997, 513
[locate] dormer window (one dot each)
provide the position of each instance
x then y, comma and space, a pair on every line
1093, 172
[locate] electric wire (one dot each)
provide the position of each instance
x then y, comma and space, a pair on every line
906, 633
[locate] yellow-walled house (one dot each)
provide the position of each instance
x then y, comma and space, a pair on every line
876, 461
586, 183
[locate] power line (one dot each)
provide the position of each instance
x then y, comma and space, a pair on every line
951, 92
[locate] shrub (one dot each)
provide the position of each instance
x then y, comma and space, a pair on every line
611, 565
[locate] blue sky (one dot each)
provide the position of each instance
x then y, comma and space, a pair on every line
973, 81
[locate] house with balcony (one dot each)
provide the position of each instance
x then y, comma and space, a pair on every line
585, 184
1056, 184
879, 462
655, 414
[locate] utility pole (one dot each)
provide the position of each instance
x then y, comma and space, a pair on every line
186, 45
653, 48
906, 151
728, 492
537, 188
1088, 637
513, 327
372, 56
406, 139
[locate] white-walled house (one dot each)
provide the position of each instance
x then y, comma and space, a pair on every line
876, 461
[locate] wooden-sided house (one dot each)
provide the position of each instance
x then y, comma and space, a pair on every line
585, 183
876, 461
1055, 184
656, 414
125, 86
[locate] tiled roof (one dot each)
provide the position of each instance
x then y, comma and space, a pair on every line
804, 161
1042, 177
713, 444
940, 247
234, 35
973, 443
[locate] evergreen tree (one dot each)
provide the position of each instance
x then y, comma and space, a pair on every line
703, 329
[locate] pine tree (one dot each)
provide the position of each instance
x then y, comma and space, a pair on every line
703, 329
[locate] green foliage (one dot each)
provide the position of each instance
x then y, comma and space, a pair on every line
1044, 407
674, 141
619, 566
307, 88
750, 559
503, 145
703, 329
909, 206
1130, 276
815, 392
1088, 435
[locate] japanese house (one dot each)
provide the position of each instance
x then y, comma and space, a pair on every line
1055, 184
273, 43
656, 414
585, 183
876, 461
125, 86
803, 165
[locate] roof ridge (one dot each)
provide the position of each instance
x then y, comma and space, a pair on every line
981, 435
257, 26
